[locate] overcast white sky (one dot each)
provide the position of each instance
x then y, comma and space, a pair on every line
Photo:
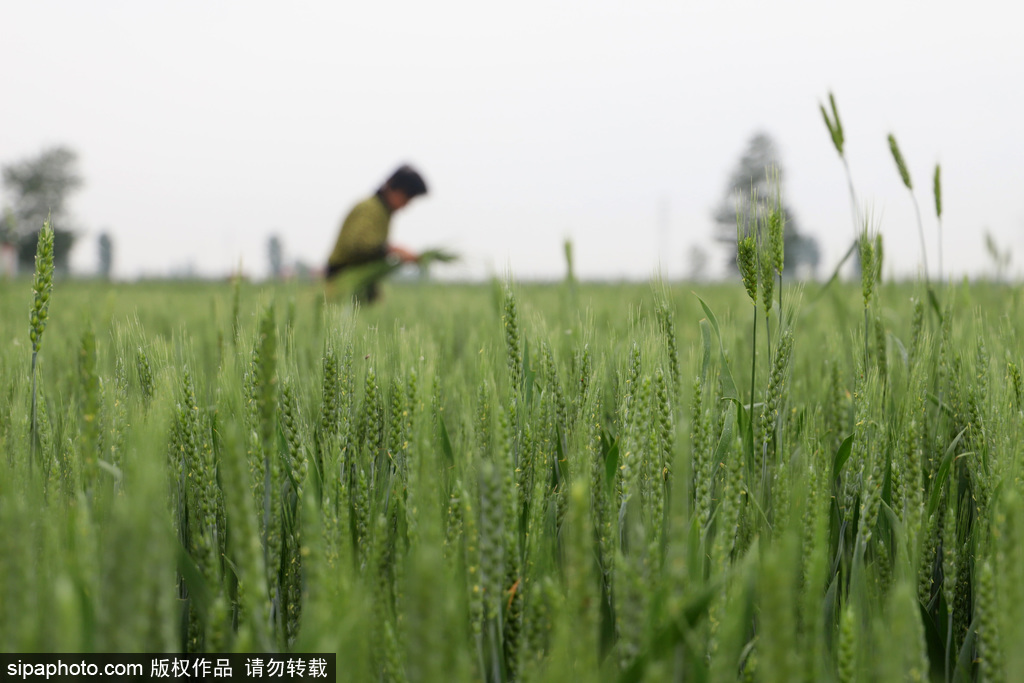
204, 127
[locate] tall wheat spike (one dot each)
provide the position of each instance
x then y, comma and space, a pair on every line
901, 166
835, 129
42, 286
937, 189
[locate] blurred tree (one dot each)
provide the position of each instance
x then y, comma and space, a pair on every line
7, 227
751, 175
106, 248
8, 244
39, 187
697, 258
275, 252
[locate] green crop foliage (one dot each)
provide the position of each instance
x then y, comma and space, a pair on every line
504, 483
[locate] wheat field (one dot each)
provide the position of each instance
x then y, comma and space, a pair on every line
510, 482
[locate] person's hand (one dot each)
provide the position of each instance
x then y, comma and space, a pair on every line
403, 254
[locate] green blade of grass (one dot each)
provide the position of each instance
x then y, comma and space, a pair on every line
943, 473
842, 455
728, 384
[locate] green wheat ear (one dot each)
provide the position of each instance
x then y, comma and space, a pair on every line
835, 126
747, 258
776, 237
513, 347
42, 286
937, 183
835, 118
570, 273
746, 251
867, 269
901, 165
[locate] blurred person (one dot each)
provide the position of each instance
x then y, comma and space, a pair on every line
363, 239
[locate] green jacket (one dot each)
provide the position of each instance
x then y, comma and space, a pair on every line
364, 235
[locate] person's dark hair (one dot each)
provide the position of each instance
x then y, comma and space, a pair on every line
406, 179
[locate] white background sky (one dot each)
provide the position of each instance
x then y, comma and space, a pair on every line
204, 127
